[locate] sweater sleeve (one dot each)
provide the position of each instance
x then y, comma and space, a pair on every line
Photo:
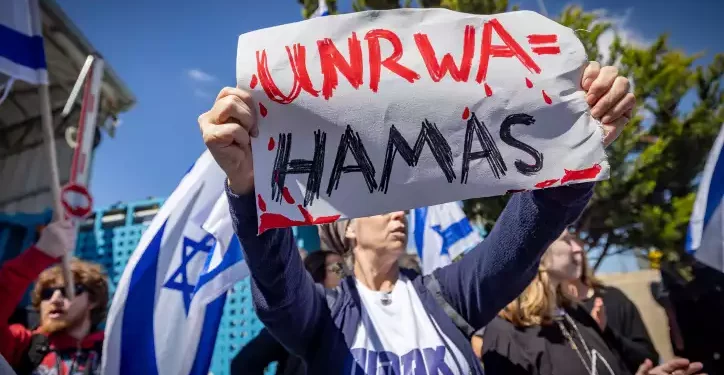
16, 275
498, 269
284, 294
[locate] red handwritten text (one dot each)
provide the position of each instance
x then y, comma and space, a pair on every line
437, 69
391, 63
510, 48
333, 62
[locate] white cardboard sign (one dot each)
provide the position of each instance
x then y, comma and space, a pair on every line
367, 113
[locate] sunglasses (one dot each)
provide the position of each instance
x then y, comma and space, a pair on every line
47, 293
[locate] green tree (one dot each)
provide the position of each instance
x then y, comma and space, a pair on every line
309, 6
647, 203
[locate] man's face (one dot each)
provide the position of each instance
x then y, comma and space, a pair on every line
58, 312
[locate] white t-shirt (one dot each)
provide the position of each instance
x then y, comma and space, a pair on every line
401, 338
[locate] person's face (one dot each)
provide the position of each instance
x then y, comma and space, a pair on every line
564, 260
332, 277
386, 234
58, 312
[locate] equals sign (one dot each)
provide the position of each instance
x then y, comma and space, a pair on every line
544, 44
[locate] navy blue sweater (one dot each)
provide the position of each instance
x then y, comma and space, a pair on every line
295, 309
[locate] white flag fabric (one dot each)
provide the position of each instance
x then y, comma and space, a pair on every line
22, 55
441, 233
706, 227
168, 304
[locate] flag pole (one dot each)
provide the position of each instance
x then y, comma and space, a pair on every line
47, 122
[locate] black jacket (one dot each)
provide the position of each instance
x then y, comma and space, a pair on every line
544, 350
625, 331
263, 350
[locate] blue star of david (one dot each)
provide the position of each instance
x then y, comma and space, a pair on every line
189, 249
452, 234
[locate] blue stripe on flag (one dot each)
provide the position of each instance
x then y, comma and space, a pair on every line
420, 217
713, 197
22, 49
138, 350
207, 339
716, 188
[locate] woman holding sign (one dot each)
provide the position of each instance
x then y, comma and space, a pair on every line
381, 318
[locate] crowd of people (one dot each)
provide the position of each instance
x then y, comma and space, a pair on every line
524, 301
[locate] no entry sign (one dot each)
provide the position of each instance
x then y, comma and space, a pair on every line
76, 200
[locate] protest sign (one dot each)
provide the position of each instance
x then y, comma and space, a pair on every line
366, 113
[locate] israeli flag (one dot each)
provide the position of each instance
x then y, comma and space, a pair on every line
168, 304
22, 55
441, 233
706, 227
322, 10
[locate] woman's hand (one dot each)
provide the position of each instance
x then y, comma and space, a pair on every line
226, 130
677, 366
609, 98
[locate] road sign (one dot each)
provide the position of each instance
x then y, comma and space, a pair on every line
76, 200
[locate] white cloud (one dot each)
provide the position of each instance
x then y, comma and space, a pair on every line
199, 75
199, 93
620, 25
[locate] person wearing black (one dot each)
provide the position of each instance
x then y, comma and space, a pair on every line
545, 331
695, 307
264, 349
616, 315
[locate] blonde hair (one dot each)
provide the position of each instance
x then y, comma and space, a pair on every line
537, 304
90, 275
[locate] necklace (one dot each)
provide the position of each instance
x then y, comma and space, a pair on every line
575, 347
385, 299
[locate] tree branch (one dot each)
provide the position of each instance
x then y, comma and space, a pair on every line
604, 253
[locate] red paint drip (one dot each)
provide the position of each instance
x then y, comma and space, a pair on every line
260, 202
287, 195
488, 90
466, 113
270, 220
254, 80
262, 110
546, 183
270, 146
546, 97
307, 216
513, 191
581, 174
528, 83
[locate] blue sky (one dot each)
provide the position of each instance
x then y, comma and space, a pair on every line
176, 55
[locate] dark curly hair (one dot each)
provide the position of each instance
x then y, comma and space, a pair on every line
88, 274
